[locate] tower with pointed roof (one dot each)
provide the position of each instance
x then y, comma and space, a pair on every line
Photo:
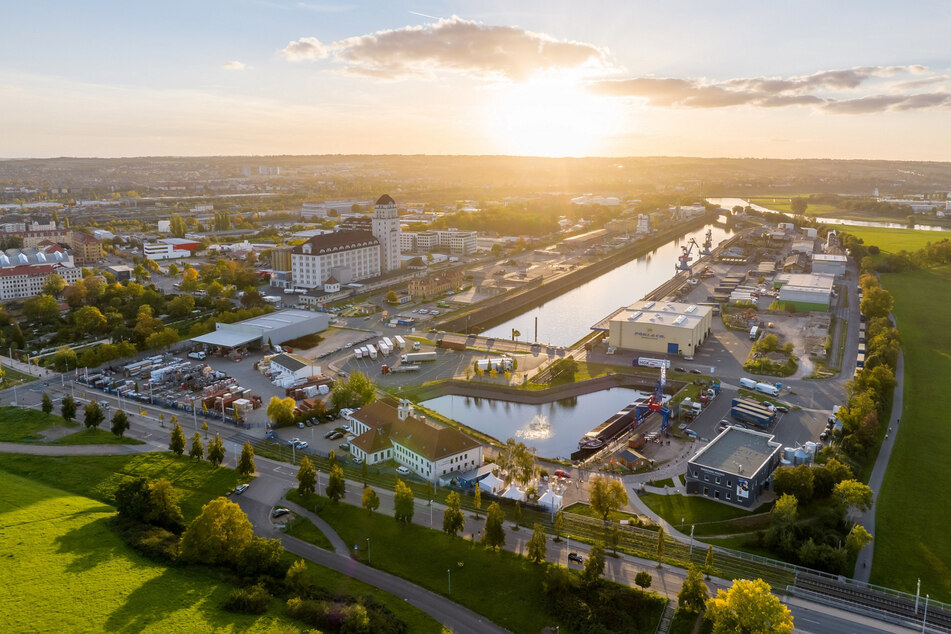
386, 229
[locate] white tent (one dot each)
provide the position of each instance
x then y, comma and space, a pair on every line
550, 501
491, 484
514, 494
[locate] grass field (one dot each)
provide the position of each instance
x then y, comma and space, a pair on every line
303, 528
96, 437
708, 517
13, 377
911, 538
24, 425
97, 477
580, 508
895, 240
784, 204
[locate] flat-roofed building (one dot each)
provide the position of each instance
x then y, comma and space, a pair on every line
735, 467
275, 328
831, 263
805, 292
662, 327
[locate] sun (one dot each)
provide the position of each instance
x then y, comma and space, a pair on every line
551, 116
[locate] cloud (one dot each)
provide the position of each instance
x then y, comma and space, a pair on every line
820, 90
453, 45
304, 49
235, 65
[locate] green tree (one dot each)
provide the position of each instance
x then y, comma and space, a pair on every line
517, 515
53, 285
643, 579
218, 535
92, 415
660, 544
132, 498
493, 535
198, 447
852, 495
67, 409
181, 306
452, 518
403, 502
748, 607
177, 440
477, 499
216, 451
306, 477
537, 545
797, 481
204, 427
173, 270
298, 580
708, 562
177, 226
559, 524
281, 411
857, 539
336, 487
782, 520
370, 500
89, 320
798, 206
392, 297
693, 594
876, 302
42, 308
606, 495
120, 423
594, 566
355, 391
163, 509
64, 359
246, 461
47, 405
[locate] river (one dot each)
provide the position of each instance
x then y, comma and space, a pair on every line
567, 318
730, 203
554, 429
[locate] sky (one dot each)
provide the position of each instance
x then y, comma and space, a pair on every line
770, 79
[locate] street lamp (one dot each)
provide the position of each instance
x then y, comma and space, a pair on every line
430, 514
449, 575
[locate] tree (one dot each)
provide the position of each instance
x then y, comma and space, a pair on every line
355, 391
452, 518
218, 535
132, 498
660, 544
64, 359
281, 411
42, 308
594, 566
537, 545
477, 499
47, 405
67, 409
606, 495
370, 500
163, 509
92, 415
796, 481
177, 440
493, 535
120, 423
298, 580
518, 514
89, 320
306, 477
852, 495
246, 461
198, 448
204, 427
857, 539
748, 607
216, 451
798, 206
708, 562
172, 269
336, 487
181, 306
392, 297
403, 502
53, 285
643, 579
876, 302
177, 226
783, 516
614, 535
559, 524
694, 593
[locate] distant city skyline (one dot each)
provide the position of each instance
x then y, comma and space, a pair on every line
799, 80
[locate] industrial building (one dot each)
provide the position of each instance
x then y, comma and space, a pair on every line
735, 467
275, 328
663, 327
831, 263
805, 292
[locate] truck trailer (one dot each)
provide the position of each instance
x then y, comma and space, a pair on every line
400, 342
767, 388
748, 415
416, 357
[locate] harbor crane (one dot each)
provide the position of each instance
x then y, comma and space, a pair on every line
707, 243
656, 402
683, 261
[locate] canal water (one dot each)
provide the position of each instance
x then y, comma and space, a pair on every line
567, 318
730, 203
554, 428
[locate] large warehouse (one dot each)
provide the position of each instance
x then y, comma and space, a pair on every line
805, 292
735, 467
664, 327
831, 263
275, 328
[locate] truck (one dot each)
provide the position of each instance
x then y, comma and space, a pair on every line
499, 364
405, 321
359, 353
753, 416
415, 357
754, 333
767, 388
400, 368
647, 362
400, 342
748, 383
388, 342
452, 345
372, 351
383, 347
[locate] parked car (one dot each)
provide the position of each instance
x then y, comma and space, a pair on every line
681, 370
575, 557
329, 434
358, 461
695, 371
293, 441
300, 424
344, 446
782, 408
402, 470
241, 488
279, 511
562, 474
302, 444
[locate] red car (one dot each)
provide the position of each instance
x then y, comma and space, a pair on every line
562, 474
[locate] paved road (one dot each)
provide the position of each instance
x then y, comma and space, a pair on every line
863, 565
461, 620
816, 619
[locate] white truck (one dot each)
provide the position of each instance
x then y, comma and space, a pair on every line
500, 364
767, 388
400, 342
416, 357
388, 342
383, 348
359, 353
748, 383
372, 351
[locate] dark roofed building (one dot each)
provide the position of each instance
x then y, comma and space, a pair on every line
392, 431
385, 200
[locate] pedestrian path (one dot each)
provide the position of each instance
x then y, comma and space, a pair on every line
340, 546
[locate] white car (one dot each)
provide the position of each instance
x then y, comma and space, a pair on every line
293, 441
348, 345
402, 470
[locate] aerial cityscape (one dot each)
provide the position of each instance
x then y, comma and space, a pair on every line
508, 317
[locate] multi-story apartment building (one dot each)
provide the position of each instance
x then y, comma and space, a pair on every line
86, 248
23, 272
435, 284
346, 255
453, 240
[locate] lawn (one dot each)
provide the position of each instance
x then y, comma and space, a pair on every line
580, 508
911, 539
64, 570
13, 377
303, 528
96, 437
895, 240
784, 204
98, 476
694, 510
24, 425
423, 556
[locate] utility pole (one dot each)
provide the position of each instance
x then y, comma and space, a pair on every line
924, 620
691, 539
